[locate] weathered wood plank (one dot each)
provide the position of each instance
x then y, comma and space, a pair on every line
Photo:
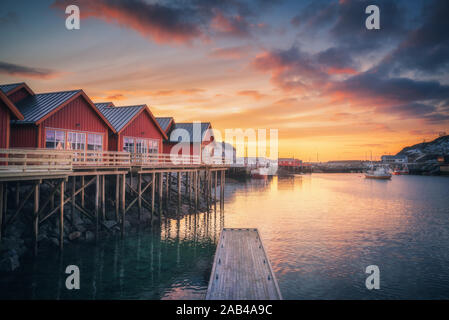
241, 268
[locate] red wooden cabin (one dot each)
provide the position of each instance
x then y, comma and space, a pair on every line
58, 120
8, 111
180, 132
136, 129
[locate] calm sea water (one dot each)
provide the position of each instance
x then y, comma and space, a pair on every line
320, 231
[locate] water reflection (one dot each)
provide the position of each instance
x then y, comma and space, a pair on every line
320, 232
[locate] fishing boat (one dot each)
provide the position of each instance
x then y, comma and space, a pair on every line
378, 173
260, 173
399, 171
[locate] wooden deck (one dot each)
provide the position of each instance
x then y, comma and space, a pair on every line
241, 269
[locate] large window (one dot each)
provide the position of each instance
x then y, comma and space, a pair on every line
55, 139
72, 140
139, 145
76, 141
94, 142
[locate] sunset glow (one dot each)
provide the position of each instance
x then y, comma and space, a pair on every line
310, 69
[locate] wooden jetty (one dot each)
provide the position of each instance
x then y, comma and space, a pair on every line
133, 180
241, 269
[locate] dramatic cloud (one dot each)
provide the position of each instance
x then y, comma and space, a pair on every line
230, 53
174, 21
251, 93
27, 72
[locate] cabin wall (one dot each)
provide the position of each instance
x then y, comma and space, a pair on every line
77, 116
5, 118
24, 136
142, 126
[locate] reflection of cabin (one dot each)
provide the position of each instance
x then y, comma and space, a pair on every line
57, 120
8, 111
136, 129
190, 137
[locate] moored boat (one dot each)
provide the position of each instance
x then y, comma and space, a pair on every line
259, 173
378, 173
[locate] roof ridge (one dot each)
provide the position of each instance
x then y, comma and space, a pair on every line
63, 91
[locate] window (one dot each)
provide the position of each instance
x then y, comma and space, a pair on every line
128, 145
138, 145
76, 141
55, 139
94, 142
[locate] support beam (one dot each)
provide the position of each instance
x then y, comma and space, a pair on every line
117, 197
139, 191
153, 189
161, 180
82, 192
179, 188
123, 203
61, 216
103, 197
97, 203
36, 215
72, 211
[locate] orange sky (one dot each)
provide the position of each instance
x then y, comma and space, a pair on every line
330, 87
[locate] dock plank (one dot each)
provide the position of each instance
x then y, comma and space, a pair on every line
241, 268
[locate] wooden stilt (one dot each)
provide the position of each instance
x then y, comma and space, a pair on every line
72, 210
123, 203
161, 180
36, 215
103, 197
167, 179
117, 197
61, 216
139, 190
82, 192
195, 174
179, 188
97, 203
153, 190
215, 190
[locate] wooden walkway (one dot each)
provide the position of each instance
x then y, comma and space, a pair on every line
241, 269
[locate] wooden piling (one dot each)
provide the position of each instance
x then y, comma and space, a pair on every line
123, 201
117, 197
36, 215
97, 202
82, 192
17, 194
72, 210
103, 197
139, 190
179, 188
161, 181
61, 216
153, 189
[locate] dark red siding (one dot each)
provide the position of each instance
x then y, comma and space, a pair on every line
18, 95
77, 116
24, 136
141, 127
5, 118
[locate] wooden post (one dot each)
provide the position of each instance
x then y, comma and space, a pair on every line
97, 202
195, 185
36, 215
103, 198
117, 197
222, 184
1, 209
179, 188
153, 182
61, 216
167, 179
72, 210
139, 190
123, 202
161, 180
82, 191
215, 189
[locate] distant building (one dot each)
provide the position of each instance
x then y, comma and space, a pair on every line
289, 162
394, 159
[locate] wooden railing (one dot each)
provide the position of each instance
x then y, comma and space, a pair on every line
34, 160
21, 160
101, 159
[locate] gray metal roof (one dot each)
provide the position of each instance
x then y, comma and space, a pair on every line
164, 122
188, 133
38, 106
118, 117
10, 86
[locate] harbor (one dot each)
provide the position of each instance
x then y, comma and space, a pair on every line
314, 240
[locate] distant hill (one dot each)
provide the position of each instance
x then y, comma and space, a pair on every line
426, 151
